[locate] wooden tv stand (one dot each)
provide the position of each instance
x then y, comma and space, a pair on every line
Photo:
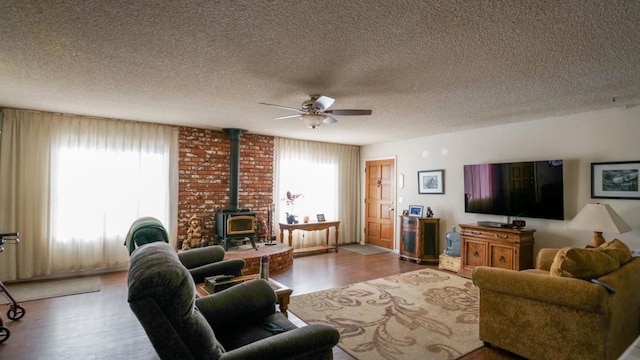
496, 247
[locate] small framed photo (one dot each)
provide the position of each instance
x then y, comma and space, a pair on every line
320, 217
615, 180
431, 182
415, 210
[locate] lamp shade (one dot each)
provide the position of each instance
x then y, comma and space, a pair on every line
598, 218
312, 120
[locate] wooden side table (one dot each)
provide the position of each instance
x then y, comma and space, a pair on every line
283, 292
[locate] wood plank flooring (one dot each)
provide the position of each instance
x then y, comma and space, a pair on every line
100, 325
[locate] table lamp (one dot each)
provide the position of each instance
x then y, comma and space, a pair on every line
598, 218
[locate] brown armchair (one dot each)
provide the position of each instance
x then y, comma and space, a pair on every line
237, 323
201, 262
539, 316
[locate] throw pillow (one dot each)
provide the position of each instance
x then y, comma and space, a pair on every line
619, 249
583, 264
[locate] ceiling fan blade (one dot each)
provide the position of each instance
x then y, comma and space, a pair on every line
325, 101
284, 107
348, 112
287, 117
329, 119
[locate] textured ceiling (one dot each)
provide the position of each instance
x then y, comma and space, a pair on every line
423, 67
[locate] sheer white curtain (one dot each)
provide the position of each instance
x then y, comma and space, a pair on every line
76, 185
328, 178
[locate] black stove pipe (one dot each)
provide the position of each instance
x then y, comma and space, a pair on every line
234, 165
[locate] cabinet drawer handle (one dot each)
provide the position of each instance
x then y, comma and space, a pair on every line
476, 232
502, 259
476, 254
503, 237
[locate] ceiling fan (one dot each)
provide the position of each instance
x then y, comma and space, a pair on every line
314, 112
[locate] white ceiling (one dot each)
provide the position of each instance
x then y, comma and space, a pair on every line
423, 67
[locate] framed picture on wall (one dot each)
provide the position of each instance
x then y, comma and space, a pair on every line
615, 180
431, 182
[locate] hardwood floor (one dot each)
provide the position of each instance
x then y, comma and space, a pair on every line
100, 325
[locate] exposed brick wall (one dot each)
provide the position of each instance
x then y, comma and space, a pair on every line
277, 263
203, 188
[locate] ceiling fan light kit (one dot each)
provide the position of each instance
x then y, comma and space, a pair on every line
314, 111
312, 120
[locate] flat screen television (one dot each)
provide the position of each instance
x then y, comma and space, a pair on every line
532, 189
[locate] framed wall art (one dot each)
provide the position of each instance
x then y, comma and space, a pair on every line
415, 210
615, 180
431, 182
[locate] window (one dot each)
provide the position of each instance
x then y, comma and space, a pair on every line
317, 184
73, 185
327, 176
97, 193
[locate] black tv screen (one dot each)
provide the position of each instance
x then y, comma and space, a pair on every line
531, 189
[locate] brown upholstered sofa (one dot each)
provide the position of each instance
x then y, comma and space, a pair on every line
556, 312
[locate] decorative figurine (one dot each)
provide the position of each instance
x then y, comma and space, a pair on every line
429, 212
194, 234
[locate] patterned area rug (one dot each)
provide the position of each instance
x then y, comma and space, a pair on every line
423, 314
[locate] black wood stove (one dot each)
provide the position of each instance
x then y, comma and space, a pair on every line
235, 224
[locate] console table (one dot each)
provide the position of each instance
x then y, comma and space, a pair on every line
311, 226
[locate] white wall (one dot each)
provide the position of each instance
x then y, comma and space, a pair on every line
600, 136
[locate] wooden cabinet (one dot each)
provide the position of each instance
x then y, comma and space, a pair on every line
419, 238
496, 247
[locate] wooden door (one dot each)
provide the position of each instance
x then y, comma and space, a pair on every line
379, 203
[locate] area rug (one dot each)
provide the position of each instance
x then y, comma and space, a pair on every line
364, 249
423, 314
36, 290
